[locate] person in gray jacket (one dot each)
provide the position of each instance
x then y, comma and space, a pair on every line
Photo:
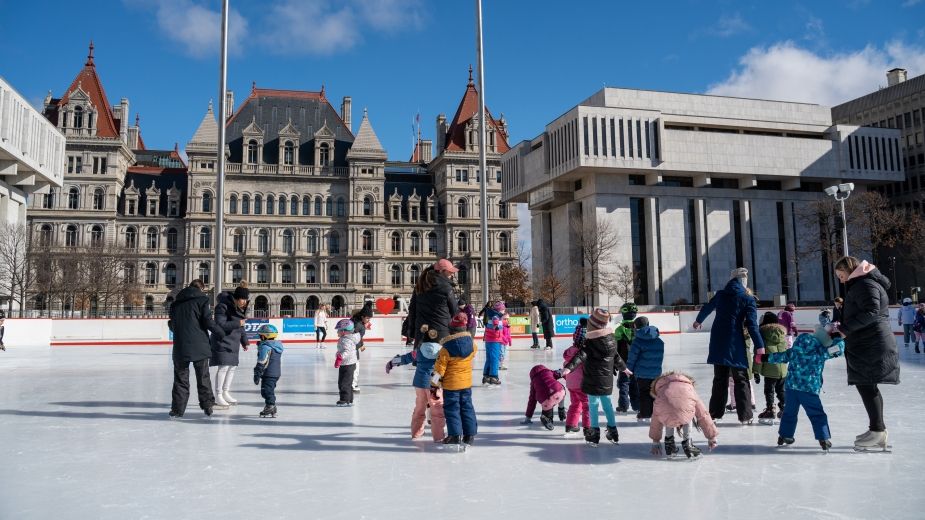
230, 315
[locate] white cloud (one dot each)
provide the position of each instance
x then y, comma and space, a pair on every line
911, 3
310, 27
788, 72
195, 26
392, 15
730, 25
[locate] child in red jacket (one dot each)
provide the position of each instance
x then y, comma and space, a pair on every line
545, 390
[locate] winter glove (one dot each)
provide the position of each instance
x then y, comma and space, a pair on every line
338, 360
757, 378
394, 362
628, 372
527, 420
656, 448
258, 372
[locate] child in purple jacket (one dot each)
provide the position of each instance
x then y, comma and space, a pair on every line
785, 319
545, 390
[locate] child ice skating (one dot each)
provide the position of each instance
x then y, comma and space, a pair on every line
578, 400
346, 360
918, 326
806, 360
628, 397
453, 373
787, 321
775, 340
545, 390
426, 356
267, 370
494, 337
645, 362
505, 340
677, 406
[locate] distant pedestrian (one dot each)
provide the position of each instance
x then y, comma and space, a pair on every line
321, 325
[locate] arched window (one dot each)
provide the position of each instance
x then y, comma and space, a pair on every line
341, 208
462, 276
415, 242
395, 241
233, 204
293, 205
150, 273
171, 240
334, 243
311, 274
396, 275
367, 206
70, 236
131, 238
45, 235
98, 198
246, 205
325, 155
288, 155
96, 236
329, 207
73, 198
306, 206
415, 274
151, 239
238, 241
170, 275
258, 204
270, 202
311, 244
262, 273
205, 238
462, 242
128, 273
78, 117
366, 240
334, 274
504, 243
281, 205
286, 306
318, 206
288, 242
502, 209
263, 241
252, 152
432, 242
367, 274
206, 202
287, 274
237, 273
462, 209
204, 272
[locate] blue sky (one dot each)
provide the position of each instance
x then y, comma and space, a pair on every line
403, 57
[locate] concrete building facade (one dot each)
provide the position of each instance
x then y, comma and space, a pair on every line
692, 186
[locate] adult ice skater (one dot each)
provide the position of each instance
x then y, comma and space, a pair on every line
231, 316
434, 303
735, 310
191, 321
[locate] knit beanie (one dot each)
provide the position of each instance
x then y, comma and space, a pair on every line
460, 321
741, 273
598, 319
241, 293
499, 306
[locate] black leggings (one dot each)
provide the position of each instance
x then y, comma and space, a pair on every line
873, 403
321, 333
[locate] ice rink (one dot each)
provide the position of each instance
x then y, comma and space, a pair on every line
84, 434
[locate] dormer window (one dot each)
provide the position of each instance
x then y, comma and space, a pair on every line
288, 153
130, 206
152, 207
324, 154
78, 117
174, 210
252, 148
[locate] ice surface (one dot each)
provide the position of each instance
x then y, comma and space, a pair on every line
84, 434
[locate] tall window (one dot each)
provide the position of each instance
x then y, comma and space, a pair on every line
415, 242
367, 274
237, 241
288, 242
171, 240
258, 204
98, 198
131, 238
233, 204
206, 202
367, 206
151, 239
462, 276
415, 274
334, 274
366, 241
395, 241
237, 273
462, 242
78, 117
204, 272
246, 205
49, 200
96, 236
432, 242
262, 273
311, 244
45, 235
170, 275
150, 273
293, 205
396, 276
334, 243
128, 273
311, 274
341, 208
329, 207
70, 236
502, 210
73, 198
462, 209
306, 205
325, 155
252, 152
318, 206
504, 243
287, 273
270, 202
288, 155
281, 205
263, 241
205, 238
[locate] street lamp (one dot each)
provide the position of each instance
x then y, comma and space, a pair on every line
841, 193
892, 260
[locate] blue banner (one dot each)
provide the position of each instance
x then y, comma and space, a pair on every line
250, 328
566, 323
298, 325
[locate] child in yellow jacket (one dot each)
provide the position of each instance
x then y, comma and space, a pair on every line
453, 372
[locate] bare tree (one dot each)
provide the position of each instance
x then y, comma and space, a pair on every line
14, 263
625, 283
551, 289
595, 242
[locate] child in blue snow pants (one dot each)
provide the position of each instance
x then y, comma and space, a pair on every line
492, 359
606, 403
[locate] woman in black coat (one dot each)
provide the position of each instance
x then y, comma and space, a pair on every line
434, 303
870, 347
230, 315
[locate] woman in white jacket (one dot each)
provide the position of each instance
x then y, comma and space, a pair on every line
534, 325
321, 325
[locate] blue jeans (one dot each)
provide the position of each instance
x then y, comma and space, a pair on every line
605, 402
629, 393
268, 389
908, 335
813, 406
492, 359
459, 412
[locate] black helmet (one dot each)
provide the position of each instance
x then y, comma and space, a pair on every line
629, 310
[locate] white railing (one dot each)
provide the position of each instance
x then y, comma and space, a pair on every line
282, 169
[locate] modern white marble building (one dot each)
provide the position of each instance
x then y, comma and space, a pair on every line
692, 185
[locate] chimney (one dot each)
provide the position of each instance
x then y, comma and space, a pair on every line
895, 76
441, 131
345, 111
427, 150
123, 120
229, 104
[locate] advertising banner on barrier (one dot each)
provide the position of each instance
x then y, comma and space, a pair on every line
251, 326
519, 324
298, 327
566, 323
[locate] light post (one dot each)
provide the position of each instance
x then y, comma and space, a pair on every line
219, 240
483, 122
892, 260
841, 193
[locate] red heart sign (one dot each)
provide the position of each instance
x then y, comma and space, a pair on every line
385, 305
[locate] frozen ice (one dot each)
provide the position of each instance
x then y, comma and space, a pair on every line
84, 434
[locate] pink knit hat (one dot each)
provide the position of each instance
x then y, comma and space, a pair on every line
499, 306
598, 319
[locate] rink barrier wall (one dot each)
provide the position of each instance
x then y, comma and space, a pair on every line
63, 332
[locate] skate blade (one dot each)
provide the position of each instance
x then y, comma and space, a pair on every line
766, 422
592, 444
874, 449
572, 435
454, 448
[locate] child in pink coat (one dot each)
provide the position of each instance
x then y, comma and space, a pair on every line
676, 406
505, 339
578, 400
545, 390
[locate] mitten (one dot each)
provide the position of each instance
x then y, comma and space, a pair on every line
656, 448
712, 444
338, 360
759, 351
628, 372
394, 362
258, 373
562, 372
757, 378
435, 380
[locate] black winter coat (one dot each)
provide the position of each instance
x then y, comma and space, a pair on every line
191, 321
545, 318
434, 308
225, 351
870, 347
601, 362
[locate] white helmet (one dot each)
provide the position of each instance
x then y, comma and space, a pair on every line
907, 301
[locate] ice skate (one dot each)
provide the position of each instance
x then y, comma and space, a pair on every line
621, 409
228, 399
494, 381
875, 442
826, 445
547, 420
468, 440
341, 404
570, 431
671, 449
643, 420
784, 441
861, 436
747, 422
612, 435
453, 443
535, 346
484, 380
207, 410
268, 411
593, 436
220, 403
175, 415
767, 416
561, 413
692, 452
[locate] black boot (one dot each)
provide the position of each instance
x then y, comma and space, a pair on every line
593, 436
268, 411
671, 449
468, 439
546, 418
784, 440
612, 435
451, 439
825, 444
561, 413
690, 450
548, 344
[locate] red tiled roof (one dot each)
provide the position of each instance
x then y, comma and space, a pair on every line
468, 107
416, 156
154, 170
90, 82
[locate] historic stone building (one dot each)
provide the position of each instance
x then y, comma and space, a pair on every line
315, 214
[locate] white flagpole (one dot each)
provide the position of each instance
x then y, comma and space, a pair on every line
219, 241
